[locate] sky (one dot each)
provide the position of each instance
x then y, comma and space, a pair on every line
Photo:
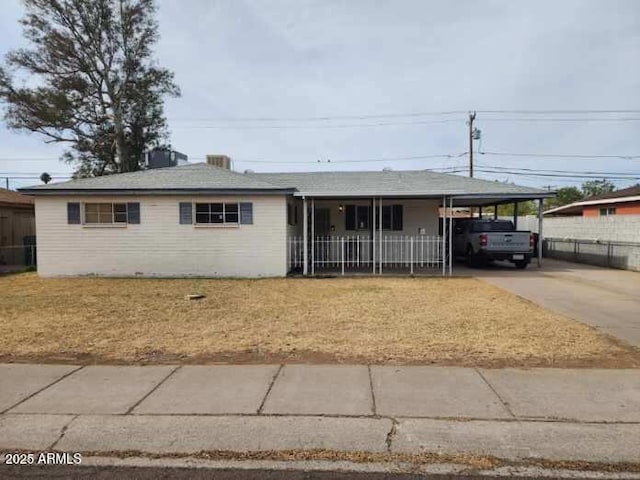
259, 78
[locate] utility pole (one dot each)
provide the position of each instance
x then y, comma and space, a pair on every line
472, 117
7, 180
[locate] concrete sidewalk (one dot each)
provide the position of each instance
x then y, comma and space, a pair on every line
554, 414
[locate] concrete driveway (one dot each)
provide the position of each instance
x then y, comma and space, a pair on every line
604, 298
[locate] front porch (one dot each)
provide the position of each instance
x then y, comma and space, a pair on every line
357, 254
377, 235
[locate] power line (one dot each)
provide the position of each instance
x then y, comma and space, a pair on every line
363, 160
575, 175
558, 112
321, 118
30, 177
550, 119
559, 155
326, 118
395, 124
28, 159
352, 125
556, 171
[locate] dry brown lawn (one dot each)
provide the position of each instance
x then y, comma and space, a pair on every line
389, 320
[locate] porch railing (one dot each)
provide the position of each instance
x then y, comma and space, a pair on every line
359, 253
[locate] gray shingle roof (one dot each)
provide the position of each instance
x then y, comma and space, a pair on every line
381, 183
201, 177
196, 176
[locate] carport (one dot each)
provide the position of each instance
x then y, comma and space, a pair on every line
385, 222
479, 202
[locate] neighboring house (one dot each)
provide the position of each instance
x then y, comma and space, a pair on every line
201, 220
17, 226
621, 202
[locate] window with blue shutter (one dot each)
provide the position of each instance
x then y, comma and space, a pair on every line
397, 217
133, 212
246, 213
73, 213
186, 213
350, 218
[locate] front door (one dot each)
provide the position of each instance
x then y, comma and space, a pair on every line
322, 224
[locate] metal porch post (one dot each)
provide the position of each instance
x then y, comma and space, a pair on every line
305, 237
313, 236
495, 212
450, 235
342, 253
515, 215
444, 233
540, 237
380, 228
373, 234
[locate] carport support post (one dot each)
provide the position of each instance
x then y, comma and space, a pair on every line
495, 211
313, 236
444, 234
515, 215
450, 235
305, 237
540, 208
380, 228
373, 233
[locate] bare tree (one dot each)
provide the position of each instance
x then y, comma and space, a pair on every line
89, 81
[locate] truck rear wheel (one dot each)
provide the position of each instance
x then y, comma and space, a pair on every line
521, 264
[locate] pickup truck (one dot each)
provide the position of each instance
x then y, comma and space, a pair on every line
482, 240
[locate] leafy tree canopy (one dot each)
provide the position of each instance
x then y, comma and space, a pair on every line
564, 196
597, 187
89, 81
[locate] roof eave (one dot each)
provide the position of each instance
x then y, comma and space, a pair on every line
587, 203
156, 191
400, 194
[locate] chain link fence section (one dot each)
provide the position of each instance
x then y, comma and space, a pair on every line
621, 255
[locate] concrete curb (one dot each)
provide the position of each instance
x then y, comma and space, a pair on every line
194, 468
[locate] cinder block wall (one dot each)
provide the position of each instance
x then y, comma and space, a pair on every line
616, 228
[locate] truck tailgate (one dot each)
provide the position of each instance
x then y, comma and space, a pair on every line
508, 241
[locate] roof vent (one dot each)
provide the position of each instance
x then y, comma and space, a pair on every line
387, 169
248, 170
220, 161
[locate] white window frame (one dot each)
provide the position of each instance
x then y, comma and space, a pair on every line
224, 222
113, 221
608, 211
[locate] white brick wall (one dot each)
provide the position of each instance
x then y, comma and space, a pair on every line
159, 245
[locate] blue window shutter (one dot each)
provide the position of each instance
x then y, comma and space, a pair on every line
73, 213
246, 213
186, 213
397, 217
350, 218
133, 212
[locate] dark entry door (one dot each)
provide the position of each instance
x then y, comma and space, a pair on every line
322, 224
